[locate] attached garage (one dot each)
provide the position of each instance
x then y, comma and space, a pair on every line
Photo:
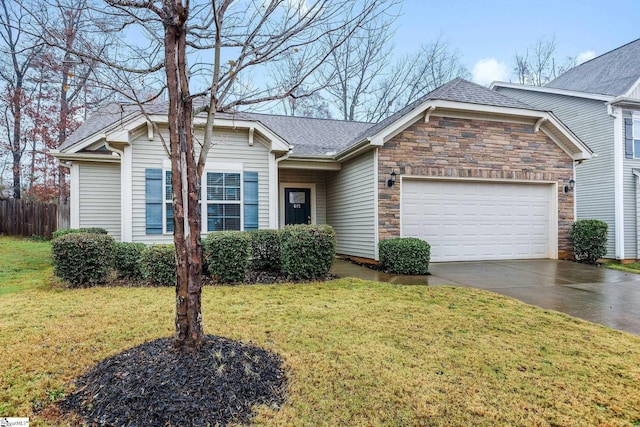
466, 220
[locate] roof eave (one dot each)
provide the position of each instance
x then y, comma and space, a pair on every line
544, 89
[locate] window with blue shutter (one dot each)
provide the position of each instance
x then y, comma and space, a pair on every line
251, 201
628, 139
153, 200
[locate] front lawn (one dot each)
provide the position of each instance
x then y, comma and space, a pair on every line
356, 352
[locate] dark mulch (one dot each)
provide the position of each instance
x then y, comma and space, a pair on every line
155, 385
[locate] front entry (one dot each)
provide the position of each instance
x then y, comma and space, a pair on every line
297, 206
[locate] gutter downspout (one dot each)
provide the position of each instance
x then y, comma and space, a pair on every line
618, 180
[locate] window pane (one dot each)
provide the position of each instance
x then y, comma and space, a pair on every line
168, 193
232, 210
636, 129
636, 148
169, 218
232, 224
232, 180
232, 194
214, 178
214, 193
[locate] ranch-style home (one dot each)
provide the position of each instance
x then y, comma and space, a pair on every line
477, 174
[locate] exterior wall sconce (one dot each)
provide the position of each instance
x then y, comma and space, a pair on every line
391, 180
571, 186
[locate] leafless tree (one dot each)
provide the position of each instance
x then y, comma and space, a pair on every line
18, 51
537, 66
413, 76
240, 37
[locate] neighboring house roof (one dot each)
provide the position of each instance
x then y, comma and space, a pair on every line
612, 73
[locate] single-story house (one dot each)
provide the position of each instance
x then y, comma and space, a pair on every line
599, 101
477, 174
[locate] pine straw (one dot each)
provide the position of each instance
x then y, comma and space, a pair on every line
155, 385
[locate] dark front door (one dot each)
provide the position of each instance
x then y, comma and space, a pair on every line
297, 206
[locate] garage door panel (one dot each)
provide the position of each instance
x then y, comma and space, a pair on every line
478, 220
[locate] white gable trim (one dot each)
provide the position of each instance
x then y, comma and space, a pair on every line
545, 89
570, 143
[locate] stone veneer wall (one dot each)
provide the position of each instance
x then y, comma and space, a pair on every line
472, 148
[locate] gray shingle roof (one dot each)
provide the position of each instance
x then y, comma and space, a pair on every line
457, 90
612, 73
309, 136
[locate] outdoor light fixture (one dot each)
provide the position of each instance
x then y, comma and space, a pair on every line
571, 186
391, 180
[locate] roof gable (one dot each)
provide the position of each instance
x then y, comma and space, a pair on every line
612, 73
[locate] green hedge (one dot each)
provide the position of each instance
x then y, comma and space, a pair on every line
589, 240
126, 259
158, 265
265, 250
227, 255
307, 251
65, 231
82, 258
405, 255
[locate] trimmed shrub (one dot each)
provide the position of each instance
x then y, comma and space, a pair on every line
589, 240
65, 231
126, 259
307, 251
82, 258
227, 255
405, 255
265, 250
158, 265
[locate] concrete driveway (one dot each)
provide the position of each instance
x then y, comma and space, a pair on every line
596, 294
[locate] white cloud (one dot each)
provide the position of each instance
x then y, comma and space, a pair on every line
585, 56
488, 70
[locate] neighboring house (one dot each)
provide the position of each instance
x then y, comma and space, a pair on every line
599, 101
477, 174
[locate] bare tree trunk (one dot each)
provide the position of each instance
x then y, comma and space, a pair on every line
189, 333
16, 147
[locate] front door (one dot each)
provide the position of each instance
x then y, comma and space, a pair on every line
297, 206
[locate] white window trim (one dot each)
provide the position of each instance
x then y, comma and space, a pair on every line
635, 119
206, 203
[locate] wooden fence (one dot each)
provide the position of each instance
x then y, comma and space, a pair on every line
27, 218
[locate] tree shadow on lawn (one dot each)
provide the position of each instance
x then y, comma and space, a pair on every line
154, 384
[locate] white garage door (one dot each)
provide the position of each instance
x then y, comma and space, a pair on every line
468, 221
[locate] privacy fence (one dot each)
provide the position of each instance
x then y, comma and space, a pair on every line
28, 218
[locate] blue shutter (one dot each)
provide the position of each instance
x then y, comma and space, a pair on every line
153, 199
251, 201
628, 139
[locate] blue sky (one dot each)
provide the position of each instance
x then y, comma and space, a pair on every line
482, 30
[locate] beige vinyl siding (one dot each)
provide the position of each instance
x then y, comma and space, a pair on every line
351, 206
301, 176
99, 195
230, 146
588, 119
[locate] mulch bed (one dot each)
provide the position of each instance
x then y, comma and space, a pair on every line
156, 385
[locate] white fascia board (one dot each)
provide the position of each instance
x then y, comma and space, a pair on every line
544, 89
624, 101
440, 108
310, 163
277, 143
87, 157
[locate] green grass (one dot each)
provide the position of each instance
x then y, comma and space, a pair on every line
356, 352
24, 265
633, 267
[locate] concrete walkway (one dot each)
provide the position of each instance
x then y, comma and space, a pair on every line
596, 294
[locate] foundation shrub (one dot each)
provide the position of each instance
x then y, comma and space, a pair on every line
158, 265
307, 251
265, 250
227, 255
65, 231
405, 255
589, 240
82, 258
126, 259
